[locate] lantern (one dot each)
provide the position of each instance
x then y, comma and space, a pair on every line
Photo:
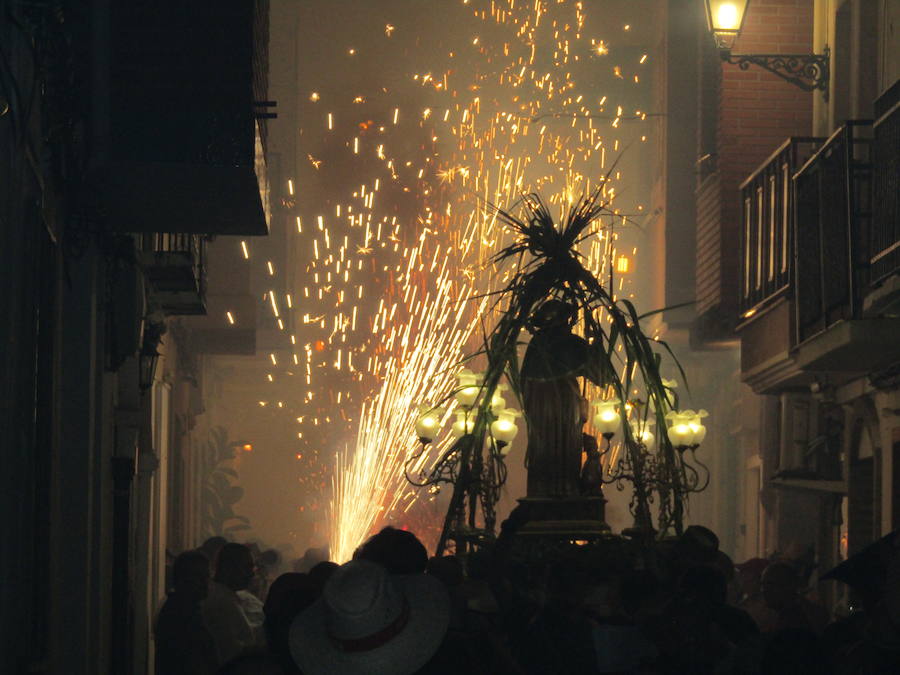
428, 423
463, 425
504, 428
607, 418
469, 388
725, 19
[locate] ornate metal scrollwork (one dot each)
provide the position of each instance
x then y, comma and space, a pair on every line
807, 71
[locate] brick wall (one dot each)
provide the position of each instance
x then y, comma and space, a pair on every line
757, 111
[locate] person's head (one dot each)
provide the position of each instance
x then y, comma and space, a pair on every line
311, 558
697, 545
725, 565
211, 548
270, 559
750, 575
235, 566
780, 584
321, 572
190, 574
399, 551
289, 595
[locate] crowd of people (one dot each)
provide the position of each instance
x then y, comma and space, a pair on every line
677, 606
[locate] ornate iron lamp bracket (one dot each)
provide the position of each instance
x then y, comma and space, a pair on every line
807, 71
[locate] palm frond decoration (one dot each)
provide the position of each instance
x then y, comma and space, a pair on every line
549, 293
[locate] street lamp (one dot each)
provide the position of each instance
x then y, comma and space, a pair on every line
725, 19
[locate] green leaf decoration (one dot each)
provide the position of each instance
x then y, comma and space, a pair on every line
548, 285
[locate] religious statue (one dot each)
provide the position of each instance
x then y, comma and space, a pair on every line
554, 407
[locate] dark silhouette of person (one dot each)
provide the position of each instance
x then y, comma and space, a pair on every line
399, 551
289, 595
702, 628
184, 646
211, 547
780, 586
794, 651
222, 610
321, 572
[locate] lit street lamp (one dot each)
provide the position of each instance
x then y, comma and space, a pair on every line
725, 18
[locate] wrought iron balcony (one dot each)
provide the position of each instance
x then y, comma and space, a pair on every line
884, 235
174, 266
767, 225
833, 207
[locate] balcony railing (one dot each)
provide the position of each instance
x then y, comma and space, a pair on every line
767, 225
174, 265
833, 213
884, 239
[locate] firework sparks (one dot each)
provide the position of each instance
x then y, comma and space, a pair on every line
392, 295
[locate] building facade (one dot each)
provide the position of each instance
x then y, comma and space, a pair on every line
797, 245
132, 135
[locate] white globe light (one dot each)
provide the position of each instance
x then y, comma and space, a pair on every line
463, 425
504, 428
607, 418
469, 388
697, 426
641, 431
427, 426
680, 434
686, 428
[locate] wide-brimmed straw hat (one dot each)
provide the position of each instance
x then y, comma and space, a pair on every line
369, 622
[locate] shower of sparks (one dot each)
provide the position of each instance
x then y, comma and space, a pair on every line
393, 295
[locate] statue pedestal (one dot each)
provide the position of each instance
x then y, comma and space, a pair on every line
553, 533
566, 518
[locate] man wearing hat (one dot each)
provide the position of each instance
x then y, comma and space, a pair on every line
370, 622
